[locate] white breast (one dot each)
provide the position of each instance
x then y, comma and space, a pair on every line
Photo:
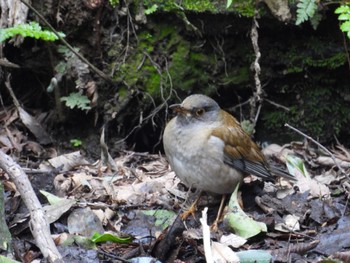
197, 159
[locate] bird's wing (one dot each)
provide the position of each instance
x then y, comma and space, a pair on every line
240, 151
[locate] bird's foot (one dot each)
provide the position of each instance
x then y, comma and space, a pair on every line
214, 226
190, 211
193, 200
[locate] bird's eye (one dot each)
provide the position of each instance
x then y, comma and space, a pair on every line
199, 112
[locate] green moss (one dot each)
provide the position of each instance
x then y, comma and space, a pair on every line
319, 113
332, 62
237, 76
175, 58
242, 7
299, 58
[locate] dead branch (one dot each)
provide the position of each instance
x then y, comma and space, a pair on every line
38, 223
257, 97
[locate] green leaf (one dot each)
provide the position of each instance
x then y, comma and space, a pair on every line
32, 29
229, 3
113, 3
4, 259
84, 242
345, 27
342, 9
306, 9
99, 238
76, 142
163, 217
53, 199
75, 99
344, 16
151, 10
293, 163
240, 222
257, 256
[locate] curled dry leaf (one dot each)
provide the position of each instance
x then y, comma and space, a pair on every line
327, 177
87, 227
304, 182
344, 256
292, 222
192, 233
277, 151
35, 148
232, 240
63, 184
222, 253
328, 161
150, 190
66, 161
5, 142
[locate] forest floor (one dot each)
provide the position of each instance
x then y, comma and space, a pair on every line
126, 208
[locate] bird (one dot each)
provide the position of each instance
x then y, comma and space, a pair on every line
208, 150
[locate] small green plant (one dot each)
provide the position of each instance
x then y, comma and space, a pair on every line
308, 10
344, 17
113, 2
32, 29
75, 99
151, 9
76, 142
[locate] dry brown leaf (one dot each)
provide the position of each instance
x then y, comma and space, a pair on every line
277, 151
222, 253
66, 161
328, 161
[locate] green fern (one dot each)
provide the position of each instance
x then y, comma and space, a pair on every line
306, 10
151, 9
344, 17
75, 99
32, 29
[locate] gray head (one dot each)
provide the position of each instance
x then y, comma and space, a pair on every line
197, 108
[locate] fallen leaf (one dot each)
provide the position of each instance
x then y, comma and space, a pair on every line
240, 222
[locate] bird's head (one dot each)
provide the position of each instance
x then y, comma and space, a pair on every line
197, 109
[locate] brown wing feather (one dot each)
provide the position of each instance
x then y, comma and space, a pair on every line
241, 152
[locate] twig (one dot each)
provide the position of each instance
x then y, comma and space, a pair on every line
206, 236
96, 70
277, 105
257, 115
254, 35
238, 105
318, 144
257, 97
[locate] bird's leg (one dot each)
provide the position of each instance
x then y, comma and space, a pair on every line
192, 209
214, 226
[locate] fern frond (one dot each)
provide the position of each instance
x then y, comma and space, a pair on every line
306, 10
344, 17
32, 29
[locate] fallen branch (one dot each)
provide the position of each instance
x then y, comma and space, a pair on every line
38, 223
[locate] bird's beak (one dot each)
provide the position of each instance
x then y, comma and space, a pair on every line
178, 109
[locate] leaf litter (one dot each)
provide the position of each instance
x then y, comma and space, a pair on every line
142, 199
